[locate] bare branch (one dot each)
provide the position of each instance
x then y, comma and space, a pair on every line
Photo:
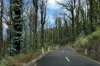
26, 4
6, 21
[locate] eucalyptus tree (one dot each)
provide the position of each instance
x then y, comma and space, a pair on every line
66, 26
9, 31
59, 22
43, 6
31, 15
94, 13
35, 18
1, 29
91, 15
70, 6
17, 25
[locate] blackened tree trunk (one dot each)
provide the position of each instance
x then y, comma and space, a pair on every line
73, 29
9, 31
35, 3
43, 18
59, 21
91, 16
17, 23
1, 35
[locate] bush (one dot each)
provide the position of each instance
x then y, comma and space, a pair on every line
5, 61
87, 40
18, 60
92, 43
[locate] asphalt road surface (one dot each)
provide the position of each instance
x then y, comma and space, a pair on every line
65, 57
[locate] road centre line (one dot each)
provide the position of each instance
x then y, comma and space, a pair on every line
67, 59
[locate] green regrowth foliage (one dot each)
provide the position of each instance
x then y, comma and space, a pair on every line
17, 25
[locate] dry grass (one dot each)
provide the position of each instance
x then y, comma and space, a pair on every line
22, 58
91, 43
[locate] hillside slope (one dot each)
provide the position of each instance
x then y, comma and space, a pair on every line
89, 45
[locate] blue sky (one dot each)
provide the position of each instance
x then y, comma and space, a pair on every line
52, 9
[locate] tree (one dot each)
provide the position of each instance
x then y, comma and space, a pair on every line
17, 24
35, 18
1, 35
43, 6
66, 26
92, 14
70, 6
31, 15
59, 22
9, 30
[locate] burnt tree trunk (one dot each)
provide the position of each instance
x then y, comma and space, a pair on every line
1, 35
17, 23
35, 3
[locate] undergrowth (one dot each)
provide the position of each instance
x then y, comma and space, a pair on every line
22, 58
91, 43
87, 40
19, 59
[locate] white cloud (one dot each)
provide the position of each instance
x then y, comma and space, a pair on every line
51, 18
50, 21
5, 26
53, 5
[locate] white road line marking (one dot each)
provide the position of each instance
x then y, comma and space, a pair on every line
63, 51
67, 59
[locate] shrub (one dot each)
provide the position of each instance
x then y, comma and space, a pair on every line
87, 40
5, 61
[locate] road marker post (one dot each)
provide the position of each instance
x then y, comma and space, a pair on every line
85, 51
48, 49
42, 50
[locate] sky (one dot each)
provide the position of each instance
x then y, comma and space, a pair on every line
52, 9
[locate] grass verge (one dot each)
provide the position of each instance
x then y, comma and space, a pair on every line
18, 60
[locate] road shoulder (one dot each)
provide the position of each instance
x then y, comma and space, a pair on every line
33, 62
91, 59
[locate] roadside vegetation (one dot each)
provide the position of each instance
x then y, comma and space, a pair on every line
21, 59
27, 26
91, 43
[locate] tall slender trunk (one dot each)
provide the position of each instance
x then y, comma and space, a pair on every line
25, 42
35, 3
91, 16
73, 26
43, 17
42, 35
42, 26
30, 33
9, 33
17, 23
1, 35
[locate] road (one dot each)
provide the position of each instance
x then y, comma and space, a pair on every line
65, 57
